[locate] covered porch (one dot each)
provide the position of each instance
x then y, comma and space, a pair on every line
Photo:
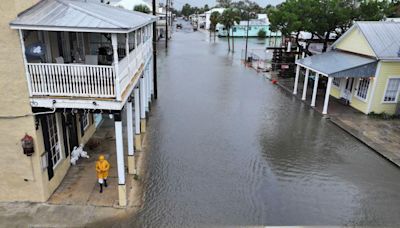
330, 69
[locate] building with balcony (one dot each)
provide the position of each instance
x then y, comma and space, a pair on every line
62, 62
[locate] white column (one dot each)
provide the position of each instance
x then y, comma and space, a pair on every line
148, 86
120, 160
305, 85
142, 105
114, 42
142, 98
315, 89
127, 54
303, 54
297, 55
327, 93
138, 141
131, 148
137, 110
296, 79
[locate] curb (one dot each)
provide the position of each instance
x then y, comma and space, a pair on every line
389, 156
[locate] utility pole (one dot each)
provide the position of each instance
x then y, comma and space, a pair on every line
155, 50
247, 37
166, 23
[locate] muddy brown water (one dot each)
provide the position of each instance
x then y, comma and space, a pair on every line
228, 148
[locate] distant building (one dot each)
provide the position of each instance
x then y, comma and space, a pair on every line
254, 26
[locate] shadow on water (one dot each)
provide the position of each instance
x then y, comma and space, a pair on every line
226, 147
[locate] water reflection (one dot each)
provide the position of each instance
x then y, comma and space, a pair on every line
226, 147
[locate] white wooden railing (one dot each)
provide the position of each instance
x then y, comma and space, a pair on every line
72, 80
75, 80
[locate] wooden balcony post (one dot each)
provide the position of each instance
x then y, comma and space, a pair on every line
28, 77
127, 54
114, 42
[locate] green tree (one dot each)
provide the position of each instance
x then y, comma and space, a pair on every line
206, 8
224, 3
214, 19
186, 10
323, 17
373, 10
228, 18
142, 8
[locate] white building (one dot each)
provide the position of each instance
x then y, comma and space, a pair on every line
208, 15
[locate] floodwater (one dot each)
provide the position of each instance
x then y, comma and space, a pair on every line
228, 148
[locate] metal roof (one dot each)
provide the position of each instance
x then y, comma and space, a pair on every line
340, 64
382, 36
78, 15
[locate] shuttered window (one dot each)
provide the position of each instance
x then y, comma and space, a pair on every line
392, 90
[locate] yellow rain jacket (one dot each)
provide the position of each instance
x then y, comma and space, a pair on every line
102, 167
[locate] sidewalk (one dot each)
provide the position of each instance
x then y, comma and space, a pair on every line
77, 201
383, 136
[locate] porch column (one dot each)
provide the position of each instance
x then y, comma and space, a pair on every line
327, 93
138, 139
146, 91
296, 79
142, 105
120, 160
314, 94
131, 149
127, 54
114, 42
148, 87
305, 85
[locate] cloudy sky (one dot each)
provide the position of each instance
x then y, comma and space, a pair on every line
179, 3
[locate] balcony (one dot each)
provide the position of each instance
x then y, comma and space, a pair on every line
82, 76
80, 54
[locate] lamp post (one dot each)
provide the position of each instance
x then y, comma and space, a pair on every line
155, 51
166, 23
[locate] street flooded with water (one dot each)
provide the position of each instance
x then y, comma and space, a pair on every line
226, 147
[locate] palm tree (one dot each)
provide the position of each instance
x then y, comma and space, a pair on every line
228, 18
214, 18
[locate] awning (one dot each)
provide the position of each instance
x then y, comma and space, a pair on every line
340, 64
80, 16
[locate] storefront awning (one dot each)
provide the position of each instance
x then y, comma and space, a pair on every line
340, 64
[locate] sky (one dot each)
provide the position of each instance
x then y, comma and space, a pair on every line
179, 3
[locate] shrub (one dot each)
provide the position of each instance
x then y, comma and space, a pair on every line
262, 33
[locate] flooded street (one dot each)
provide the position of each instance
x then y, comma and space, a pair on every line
226, 147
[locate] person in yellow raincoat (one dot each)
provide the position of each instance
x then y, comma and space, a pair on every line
102, 167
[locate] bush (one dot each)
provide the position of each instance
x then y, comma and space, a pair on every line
262, 33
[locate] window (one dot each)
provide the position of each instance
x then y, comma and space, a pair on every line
55, 152
363, 85
85, 121
392, 90
336, 82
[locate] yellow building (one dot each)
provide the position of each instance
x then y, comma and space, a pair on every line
61, 62
363, 68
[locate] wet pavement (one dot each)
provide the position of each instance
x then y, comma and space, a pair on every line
226, 147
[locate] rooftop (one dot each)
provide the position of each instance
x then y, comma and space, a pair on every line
80, 16
382, 36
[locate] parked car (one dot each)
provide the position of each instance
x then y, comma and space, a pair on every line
179, 26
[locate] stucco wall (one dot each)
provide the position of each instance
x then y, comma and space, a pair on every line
388, 69
20, 175
355, 42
